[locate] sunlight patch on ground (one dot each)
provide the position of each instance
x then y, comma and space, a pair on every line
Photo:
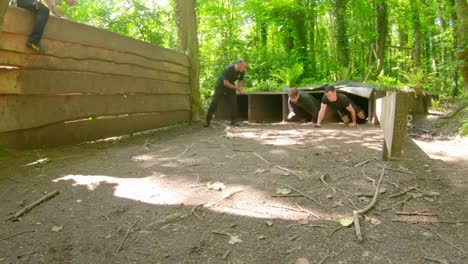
160, 189
451, 151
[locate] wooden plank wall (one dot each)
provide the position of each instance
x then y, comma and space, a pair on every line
87, 84
392, 111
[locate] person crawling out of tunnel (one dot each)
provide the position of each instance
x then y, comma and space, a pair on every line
348, 111
305, 101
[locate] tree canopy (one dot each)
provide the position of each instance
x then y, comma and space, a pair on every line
391, 43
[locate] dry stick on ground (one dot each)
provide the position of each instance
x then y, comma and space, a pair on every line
224, 197
287, 195
324, 258
446, 241
322, 179
403, 192
356, 213
17, 234
289, 171
225, 255
415, 213
307, 211
260, 157
361, 163
126, 235
436, 260
296, 190
397, 170
186, 149
34, 204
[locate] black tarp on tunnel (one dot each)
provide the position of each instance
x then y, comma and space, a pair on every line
272, 106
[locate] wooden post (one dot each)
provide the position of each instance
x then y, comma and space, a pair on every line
392, 111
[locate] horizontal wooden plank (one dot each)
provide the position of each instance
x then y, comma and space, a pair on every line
64, 82
24, 112
16, 43
76, 132
18, 20
40, 61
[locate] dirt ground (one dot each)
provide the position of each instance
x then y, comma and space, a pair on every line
151, 198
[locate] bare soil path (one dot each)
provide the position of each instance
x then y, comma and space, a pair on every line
151, 199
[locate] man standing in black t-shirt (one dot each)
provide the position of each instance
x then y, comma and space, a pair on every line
343, 105
226, 87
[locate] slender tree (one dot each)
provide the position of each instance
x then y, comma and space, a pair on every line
188, 44
341, 33
381, 29
462, 36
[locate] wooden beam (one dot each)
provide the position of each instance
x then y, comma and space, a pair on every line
20, 21
51, 82
87, 130
46, 62
392, 111
63, 49
24, 112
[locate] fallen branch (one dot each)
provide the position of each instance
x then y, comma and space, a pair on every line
403, 192
17, 234
289, 171
429, 221
361, 163
415, 213
225, 255
397, 170
446, 241
287, 195
436, 260
322, 179
325, 257
357, 213
260, 157
224, 197
186, 149
398, 203
126, 235
296, 190
34, 204
220, 233
307, 211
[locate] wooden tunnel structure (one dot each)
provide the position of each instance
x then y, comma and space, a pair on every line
87, 84
273, 106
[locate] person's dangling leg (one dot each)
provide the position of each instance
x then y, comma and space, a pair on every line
213, 106
232, 99
40, 21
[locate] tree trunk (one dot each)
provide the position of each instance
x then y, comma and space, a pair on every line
462, 36
382, 29
3, 9
417, 35
312, 56
341, 33
188, 44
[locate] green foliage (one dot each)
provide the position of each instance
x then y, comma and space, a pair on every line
464, 128
275, 35
290, 76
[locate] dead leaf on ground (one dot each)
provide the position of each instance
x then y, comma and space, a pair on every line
234, 240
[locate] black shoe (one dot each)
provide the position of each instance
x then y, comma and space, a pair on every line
207, 124
36, 47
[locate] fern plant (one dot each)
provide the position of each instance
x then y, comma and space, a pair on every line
290, 76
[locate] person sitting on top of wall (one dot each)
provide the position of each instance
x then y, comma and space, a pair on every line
344, 107
40, 20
